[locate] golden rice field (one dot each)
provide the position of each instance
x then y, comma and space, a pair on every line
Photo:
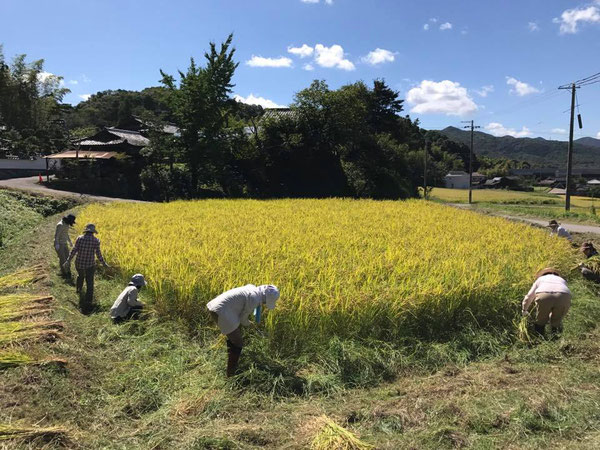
380, 269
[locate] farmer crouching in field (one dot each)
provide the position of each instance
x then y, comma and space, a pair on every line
553, 299
62, 241
560, 231
127, 306
86, 247
590, 269
232, 308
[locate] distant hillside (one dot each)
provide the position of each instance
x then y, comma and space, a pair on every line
537, 151
589, 141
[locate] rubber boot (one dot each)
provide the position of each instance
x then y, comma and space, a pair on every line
540, 330
233, 358
556, 332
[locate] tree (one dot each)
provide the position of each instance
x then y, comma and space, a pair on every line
201, 108
31, 114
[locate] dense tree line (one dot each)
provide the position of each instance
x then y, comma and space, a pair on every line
352, 141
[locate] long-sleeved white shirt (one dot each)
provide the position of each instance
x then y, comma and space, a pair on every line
235, 306
61, 235
562, 232
124, 302
545, 283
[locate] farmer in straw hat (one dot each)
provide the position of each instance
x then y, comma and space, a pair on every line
556, 228
62, 241
231, 309
553, 299
127, 306
87, 248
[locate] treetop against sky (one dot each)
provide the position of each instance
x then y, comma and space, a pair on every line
497, 62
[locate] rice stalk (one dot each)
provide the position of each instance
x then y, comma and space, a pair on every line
8, 432
331, 436
13, 358
21, 278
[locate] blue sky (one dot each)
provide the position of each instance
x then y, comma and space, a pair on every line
497, 62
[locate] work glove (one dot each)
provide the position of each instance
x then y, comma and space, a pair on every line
524, 313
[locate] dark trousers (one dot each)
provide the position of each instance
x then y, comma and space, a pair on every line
85, 302
134, 313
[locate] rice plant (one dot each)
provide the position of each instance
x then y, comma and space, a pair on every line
348, 268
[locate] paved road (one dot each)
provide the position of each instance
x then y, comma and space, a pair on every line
30, 184
572, 227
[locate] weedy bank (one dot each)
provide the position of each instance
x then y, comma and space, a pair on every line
346, 268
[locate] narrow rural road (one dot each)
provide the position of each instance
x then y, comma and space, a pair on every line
30, 184
571, 227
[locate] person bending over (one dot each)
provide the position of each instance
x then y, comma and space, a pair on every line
231, 309
553, 299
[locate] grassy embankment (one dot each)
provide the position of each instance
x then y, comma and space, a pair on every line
149, 384
525, 204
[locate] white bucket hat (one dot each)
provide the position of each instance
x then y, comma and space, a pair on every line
271, 295
138, 280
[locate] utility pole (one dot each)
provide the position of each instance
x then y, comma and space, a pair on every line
572, 87
472, 127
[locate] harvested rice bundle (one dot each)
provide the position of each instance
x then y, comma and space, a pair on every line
331, 436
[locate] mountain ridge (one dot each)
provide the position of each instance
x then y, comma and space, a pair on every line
539, 152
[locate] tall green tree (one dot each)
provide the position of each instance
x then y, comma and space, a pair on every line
201, 106
31, 114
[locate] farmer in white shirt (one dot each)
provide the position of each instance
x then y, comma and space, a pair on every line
553, 299
560, 231
62, 241
127, 304
231, 309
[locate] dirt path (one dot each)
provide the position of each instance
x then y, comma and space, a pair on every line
30, 184
572, 227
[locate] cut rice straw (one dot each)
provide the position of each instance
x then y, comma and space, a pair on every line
8, 432
331, 436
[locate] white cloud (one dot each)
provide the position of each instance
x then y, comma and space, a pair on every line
497, 129
569, 20
598, 135
533, 26
47, 76
433, 20
73, 82
446, 26
329, 2
259, 61
302, 52
426, 27
85, 79
520, 88
255, 100
332, 57
444, 97
85, 96
559, 131
379, 56
308, 67
485, 90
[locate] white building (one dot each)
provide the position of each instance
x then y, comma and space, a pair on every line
457, 179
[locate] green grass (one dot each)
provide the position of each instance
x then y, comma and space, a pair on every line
19, 212
150, 384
